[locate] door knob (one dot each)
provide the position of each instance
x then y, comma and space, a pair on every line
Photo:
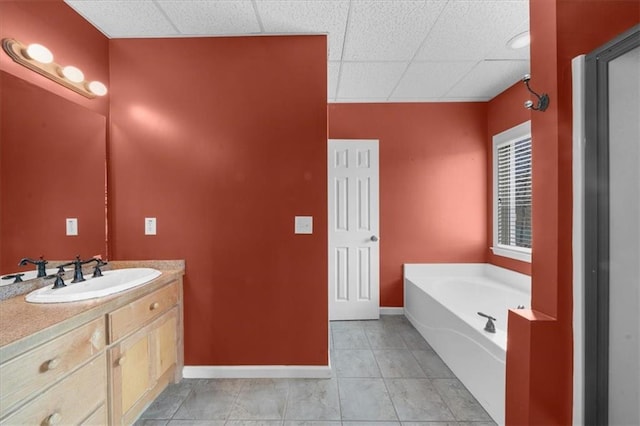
374, 238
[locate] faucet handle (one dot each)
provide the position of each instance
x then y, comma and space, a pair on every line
17, 278
59, 282
487, 316
489, 327
96, 270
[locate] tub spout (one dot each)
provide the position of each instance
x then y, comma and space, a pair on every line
490, 326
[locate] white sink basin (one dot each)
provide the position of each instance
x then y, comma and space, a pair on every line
111, 282
28, 275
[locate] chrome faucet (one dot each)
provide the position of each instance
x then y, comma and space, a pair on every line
40, 264
490, 326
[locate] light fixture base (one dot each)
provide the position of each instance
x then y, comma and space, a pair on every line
15, 50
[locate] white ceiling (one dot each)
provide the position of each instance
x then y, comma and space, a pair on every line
379, 50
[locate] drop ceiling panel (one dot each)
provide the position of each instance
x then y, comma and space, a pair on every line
332, 80
489, 78
383, 30
198, 17
367, 80
430, 80
307, 17
379, 50
125, 18
469, 30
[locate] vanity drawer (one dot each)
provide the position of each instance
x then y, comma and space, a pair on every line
98, 417
70, 401
37, 369
129, 318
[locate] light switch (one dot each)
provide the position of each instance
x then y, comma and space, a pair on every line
304, 225
149, 226
72, 226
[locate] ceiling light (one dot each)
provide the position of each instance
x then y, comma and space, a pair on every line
72, 73
97, 88
520, 41
39, 53
39, 59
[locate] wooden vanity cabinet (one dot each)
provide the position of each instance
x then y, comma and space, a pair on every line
104, 371
142, 364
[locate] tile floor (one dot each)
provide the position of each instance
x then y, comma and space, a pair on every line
384, 374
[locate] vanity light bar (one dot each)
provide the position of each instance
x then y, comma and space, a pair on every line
69, 76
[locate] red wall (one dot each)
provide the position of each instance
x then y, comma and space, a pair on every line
223, 140
428, 152
539, 353
34, 209
503, 112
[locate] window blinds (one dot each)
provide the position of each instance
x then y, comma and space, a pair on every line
514, 193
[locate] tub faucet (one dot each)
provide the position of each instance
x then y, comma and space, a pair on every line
39, 264
490, 327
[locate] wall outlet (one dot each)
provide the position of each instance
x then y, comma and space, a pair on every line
72, 225
149, 226
303, 225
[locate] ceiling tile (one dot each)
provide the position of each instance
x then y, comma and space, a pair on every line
364, 80
124, 18
360, 100
489, 78
469, 30
430, 80
197, 17
383, 30
290, 16
332, 80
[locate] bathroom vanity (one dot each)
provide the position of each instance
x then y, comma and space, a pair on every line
99, 361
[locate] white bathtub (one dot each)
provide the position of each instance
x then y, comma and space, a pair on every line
442, 302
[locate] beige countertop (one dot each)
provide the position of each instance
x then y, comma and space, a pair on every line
26, 325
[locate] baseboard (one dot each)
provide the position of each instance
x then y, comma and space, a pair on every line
256, 371
391, 311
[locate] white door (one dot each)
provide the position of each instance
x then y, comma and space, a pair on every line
354, 254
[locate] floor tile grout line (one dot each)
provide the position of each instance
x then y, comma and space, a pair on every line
182, 402
286, 401
339, 399
395, 410
393, 404
243, 383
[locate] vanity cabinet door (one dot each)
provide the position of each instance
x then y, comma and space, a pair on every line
141, 366
165, 338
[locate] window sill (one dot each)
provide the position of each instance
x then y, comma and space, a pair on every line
521, 255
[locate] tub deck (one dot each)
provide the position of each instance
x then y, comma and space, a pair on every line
442, 301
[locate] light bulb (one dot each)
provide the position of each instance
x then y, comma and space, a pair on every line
528, 104
520, 41
97, 88
73, 74
39, 53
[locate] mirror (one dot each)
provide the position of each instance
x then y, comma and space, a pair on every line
52, 167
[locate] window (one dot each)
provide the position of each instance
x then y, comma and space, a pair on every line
512, 193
